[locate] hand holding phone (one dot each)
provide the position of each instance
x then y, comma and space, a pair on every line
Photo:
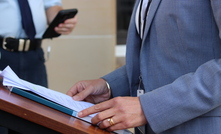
66, 27
60, 18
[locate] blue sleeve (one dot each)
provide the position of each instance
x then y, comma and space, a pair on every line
50, 3
118, 82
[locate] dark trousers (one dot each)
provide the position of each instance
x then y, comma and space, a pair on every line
28, 66
4, 130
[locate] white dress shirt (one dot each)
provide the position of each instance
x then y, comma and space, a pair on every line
141, 14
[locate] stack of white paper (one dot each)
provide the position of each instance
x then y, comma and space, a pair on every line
12, 80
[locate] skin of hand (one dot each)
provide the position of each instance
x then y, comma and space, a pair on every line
66, 27
63, 28
93, 91
126, 112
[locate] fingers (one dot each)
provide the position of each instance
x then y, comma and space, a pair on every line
64, 28
75, 89
112, 126
67, 26
117, 113
108, 123
118, 126
106, 114
97, 108
82, 95
94, 91
79, 92
114, 123
71, 20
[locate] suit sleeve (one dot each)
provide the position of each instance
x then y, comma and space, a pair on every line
118, 82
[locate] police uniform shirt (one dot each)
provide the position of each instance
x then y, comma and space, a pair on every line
11, 25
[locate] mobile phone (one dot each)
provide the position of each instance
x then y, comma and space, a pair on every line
59, 18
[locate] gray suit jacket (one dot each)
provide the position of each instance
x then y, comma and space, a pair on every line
179, 61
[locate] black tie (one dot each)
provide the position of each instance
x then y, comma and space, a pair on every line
27, 20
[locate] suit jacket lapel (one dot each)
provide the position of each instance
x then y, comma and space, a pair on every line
153, 8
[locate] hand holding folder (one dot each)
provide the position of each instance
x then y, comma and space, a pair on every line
48, 97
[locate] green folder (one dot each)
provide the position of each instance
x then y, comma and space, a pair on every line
44, 101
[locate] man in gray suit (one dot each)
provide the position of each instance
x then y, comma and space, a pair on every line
172, 72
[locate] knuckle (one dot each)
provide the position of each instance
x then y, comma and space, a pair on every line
96, 107
117, 100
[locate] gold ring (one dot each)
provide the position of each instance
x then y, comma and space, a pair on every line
110, 120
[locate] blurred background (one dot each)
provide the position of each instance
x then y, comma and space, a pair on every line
95, 47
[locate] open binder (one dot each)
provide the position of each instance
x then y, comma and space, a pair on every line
43, 95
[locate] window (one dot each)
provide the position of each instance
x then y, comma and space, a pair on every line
124, 11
